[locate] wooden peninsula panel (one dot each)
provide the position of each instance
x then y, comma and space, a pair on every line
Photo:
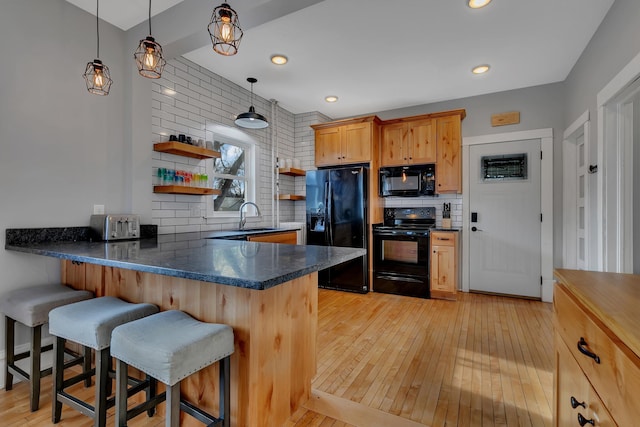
275, 336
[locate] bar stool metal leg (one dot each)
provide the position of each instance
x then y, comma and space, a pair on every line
225, 391
10, 349
34, 376
58, 372
173, 405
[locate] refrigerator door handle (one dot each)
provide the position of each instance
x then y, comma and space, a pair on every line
329, 224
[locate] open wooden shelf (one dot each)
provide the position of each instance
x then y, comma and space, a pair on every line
179, 189
291, 172
291, 197
181, 149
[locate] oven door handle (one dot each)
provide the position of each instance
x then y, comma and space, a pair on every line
412, 237
398, 278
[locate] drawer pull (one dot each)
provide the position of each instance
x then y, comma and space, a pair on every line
575, 403
582, 420
582, 346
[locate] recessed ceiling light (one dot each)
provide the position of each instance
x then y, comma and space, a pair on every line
331, 98
480, 69
279, 59
168, 91
477, 4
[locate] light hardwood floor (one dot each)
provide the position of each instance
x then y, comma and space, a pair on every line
386, 360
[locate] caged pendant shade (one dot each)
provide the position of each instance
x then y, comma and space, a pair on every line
251, 119
224, 30
96, 74
148, 56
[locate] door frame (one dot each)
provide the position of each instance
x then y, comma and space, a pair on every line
546, 201
615, 179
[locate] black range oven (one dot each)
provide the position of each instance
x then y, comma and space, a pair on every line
401, 251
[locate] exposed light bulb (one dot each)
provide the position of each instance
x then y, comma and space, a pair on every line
226, 31
150, 58
98, 79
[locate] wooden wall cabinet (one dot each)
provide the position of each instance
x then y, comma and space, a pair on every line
427, 138
345, 141
597, 348
407, 143
444, 264
449, 155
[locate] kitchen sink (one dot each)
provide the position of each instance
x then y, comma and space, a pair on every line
238, 234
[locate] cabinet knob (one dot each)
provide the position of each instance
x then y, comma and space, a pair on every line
575, 403
582, 420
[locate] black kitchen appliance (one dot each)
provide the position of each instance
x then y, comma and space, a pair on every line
408, 181
401, 251
337, 216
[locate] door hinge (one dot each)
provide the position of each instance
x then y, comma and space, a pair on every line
540, 217
540, 280
541, 155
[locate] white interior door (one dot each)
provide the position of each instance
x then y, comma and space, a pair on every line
576, 195
505, 211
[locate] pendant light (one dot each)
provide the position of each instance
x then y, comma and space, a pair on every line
224, 29
251, 119
96, 74
148, 56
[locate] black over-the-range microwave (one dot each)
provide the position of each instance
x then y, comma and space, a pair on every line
408, 181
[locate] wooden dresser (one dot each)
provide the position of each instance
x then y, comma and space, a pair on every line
597, 349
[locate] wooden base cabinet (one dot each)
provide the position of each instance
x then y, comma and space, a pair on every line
597, 349
289, 237
576, 399
444, 264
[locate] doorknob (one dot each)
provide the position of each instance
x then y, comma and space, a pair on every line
474, 228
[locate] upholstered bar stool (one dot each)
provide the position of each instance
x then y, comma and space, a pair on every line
90, 324
170, 346
30, 306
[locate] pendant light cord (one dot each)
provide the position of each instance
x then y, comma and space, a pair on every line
149, 17
98, 28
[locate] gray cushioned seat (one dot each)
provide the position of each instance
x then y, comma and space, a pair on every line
171, 345
91, 322
31, 306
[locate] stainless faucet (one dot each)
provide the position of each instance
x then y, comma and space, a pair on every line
243, 220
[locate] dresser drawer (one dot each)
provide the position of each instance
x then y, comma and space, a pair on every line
617, 375
574, 395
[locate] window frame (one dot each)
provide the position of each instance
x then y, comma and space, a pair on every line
250, 146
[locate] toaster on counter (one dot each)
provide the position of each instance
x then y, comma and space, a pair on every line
116, 226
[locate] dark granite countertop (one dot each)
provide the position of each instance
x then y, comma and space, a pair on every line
198, 256
447, 229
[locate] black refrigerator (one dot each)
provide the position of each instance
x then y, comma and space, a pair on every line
337, 216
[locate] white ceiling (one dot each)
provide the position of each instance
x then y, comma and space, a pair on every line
378, 55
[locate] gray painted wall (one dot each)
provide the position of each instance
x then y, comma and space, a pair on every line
613, 46
540, 107
62, 148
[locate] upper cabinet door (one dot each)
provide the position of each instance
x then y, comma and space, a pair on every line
356, 143
328, 146
422, 141
393, 149
449, 155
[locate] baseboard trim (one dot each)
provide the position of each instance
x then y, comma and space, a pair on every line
47, 360
354, 413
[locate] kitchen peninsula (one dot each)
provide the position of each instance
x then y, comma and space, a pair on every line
266, 292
